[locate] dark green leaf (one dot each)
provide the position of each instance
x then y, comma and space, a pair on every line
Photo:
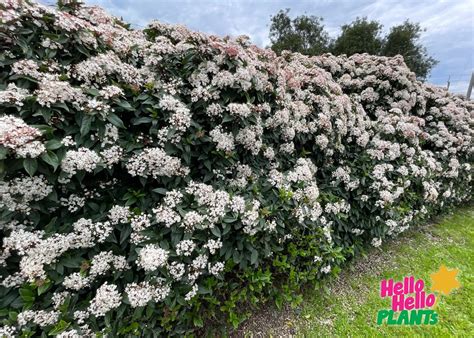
3, 153
30, 165
115, 120
51, 158
254, 256
125, 105
53, 144
216, 231
142, 120
161, 191
59, 327
86, 124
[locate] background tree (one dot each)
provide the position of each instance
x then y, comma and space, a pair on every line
405, 40
360, 36
304, 34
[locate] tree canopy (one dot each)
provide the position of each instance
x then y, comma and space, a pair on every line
404, 39
306, 34
360, 36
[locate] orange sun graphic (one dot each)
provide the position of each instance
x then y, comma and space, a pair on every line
444, 280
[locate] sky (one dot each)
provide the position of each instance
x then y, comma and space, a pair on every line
449, 24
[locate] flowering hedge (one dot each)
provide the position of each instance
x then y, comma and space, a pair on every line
154, 180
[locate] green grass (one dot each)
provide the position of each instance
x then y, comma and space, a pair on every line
350, 303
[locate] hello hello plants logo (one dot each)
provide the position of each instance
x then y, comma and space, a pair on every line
411, 303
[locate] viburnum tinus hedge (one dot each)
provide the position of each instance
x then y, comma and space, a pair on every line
156, 181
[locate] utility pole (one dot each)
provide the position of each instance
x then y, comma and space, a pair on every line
469, 89
449, 78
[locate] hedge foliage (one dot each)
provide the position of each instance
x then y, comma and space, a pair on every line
157, 181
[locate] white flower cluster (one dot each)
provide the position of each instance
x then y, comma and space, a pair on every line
97, 69
37, 252
59, 298
250, 138
250, 219
40, 317
17, 194
106, 299
326, 269
193, 220
214, 109
104, 261
16, 135
337, 207
216, 268
239, 109
32, 149
224, 141
180, 120
376, 242
155, 162
53, 91
76, 281
81, 159
177, 270
13, 95
304, 171
243, 174
138, 224
213, 245
109, 92
191, 294
185, 247
68, 141
73, 203
140, 294
152, 257
119, 214
7, 331
27, 68
111, 156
